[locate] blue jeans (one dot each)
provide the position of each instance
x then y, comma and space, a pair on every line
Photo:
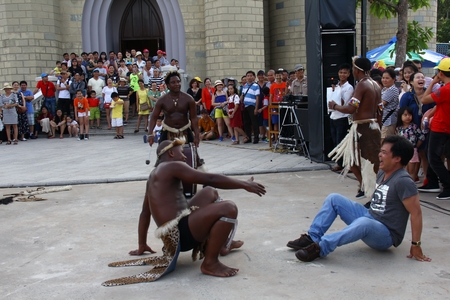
361, 226
436, 167
50, 102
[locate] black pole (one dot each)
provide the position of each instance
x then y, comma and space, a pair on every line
363, 28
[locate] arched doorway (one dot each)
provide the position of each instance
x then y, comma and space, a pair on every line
101, 24
141, 27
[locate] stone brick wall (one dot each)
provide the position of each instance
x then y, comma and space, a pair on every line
70, 14
29, 38
234, 37
194, 23
287, 34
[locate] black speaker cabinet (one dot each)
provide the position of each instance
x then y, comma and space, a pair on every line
337, 14
330, 32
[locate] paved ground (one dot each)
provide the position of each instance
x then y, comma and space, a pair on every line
60, 248
103, 159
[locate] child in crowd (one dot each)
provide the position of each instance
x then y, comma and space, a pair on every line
263, 114
207, 127
72, 126
94, 104
57, 70
235, 114
81, 106
157, 129
407, 128
116, 115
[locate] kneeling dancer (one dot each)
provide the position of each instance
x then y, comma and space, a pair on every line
203, 224
380, 226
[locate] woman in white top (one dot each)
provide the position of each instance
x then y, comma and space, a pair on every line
106, 94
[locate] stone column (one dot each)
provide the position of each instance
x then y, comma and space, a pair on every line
29, 39
234, 35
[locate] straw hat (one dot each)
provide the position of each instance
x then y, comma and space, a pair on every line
218, 82
7, 86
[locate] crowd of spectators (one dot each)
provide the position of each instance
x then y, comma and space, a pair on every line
230, 108
97, 77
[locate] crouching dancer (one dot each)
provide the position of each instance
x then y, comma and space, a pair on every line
205, 224
380, 226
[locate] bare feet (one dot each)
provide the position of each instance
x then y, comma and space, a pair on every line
234, 245
141, 250
218, 269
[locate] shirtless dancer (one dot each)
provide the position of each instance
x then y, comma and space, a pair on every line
364, 137
213, 220
177, 106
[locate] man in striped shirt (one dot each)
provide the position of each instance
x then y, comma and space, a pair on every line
156, 78
250, 97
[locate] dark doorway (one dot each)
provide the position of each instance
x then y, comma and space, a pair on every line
139, 45
141, 27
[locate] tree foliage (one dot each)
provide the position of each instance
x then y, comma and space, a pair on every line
443, 21
407, 41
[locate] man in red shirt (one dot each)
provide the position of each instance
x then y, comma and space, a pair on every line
439, 132
48, 90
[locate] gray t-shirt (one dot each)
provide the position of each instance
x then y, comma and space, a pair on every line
386, 205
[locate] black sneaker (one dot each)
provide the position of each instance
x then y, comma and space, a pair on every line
309, 253
445, 195
360, 195
303, 241
427, 188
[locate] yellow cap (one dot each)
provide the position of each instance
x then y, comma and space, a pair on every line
444, 65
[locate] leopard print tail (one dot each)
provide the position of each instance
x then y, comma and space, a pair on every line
149, 276
159, 261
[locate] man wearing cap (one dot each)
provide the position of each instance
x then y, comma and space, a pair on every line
160, 56
147, 55
299, 86
439, 131
96, 84
361, 146
48, 91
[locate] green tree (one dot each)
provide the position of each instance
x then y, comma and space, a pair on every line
443, 21
399, 8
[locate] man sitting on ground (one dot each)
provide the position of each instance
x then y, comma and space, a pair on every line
184, 225
380, 226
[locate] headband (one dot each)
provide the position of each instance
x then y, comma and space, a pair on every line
176, 142
354, 58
